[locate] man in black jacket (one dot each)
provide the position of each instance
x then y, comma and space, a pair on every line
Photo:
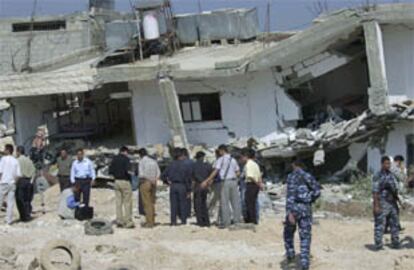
119, 168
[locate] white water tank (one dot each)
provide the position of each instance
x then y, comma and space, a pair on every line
151, 27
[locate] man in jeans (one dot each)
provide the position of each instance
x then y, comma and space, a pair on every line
9, 174
119, 168
149, 173
229, 171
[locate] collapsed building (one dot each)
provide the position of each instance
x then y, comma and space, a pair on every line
337, 91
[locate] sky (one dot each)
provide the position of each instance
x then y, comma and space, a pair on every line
285, 14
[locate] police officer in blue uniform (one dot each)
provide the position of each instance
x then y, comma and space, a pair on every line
302, 191
385, 204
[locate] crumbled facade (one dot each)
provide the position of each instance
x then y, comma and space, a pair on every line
321, 88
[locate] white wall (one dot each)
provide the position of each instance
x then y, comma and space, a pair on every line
148, 115
248, 105
29, 115
399, 59
396, 145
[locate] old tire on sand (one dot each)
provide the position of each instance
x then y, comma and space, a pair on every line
45, 260
98, 227
122, 267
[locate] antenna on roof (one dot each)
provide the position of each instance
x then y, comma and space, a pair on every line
200, 9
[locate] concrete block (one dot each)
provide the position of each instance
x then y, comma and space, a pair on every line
298, 67
286, 72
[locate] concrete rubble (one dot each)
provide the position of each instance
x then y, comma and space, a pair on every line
331, 135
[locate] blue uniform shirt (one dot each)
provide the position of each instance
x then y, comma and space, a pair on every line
380, 181
179, 171
301, 188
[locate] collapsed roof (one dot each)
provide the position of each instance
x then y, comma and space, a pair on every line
332, 136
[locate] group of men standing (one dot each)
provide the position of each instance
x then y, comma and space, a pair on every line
186, 177
16, 183
235, 189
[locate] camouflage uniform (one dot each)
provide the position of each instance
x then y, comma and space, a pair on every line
384, 183
301, 190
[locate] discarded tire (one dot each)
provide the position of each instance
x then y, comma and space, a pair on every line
98, 227
45, 261
122, 267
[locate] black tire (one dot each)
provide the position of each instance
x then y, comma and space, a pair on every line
98, 227
45, 262
122, 267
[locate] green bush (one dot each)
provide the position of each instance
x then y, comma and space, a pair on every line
361, 188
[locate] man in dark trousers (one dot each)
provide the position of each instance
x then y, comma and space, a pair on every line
178, 176
64, 163
201, 171
82, 173
189, 163
119, 169
24, 186
253, 179
385, 204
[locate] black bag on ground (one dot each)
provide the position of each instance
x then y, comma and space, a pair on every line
84, 213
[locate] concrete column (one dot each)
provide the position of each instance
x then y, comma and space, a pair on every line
378, 91
173, 112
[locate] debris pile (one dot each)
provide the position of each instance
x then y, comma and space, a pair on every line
331, 135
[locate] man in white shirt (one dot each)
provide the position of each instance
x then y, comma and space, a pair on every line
228, 169
82, 174
9, 174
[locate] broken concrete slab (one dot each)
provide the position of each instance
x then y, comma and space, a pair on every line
335, 135
173, 112
378, 91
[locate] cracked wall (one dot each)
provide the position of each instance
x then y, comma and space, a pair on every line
46, 45
399, 61
248, 106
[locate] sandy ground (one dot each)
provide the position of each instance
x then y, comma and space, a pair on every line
337, 243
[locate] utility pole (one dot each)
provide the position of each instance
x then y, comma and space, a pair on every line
267, 22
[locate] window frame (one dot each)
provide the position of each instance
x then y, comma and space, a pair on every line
39, 26
190, 98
